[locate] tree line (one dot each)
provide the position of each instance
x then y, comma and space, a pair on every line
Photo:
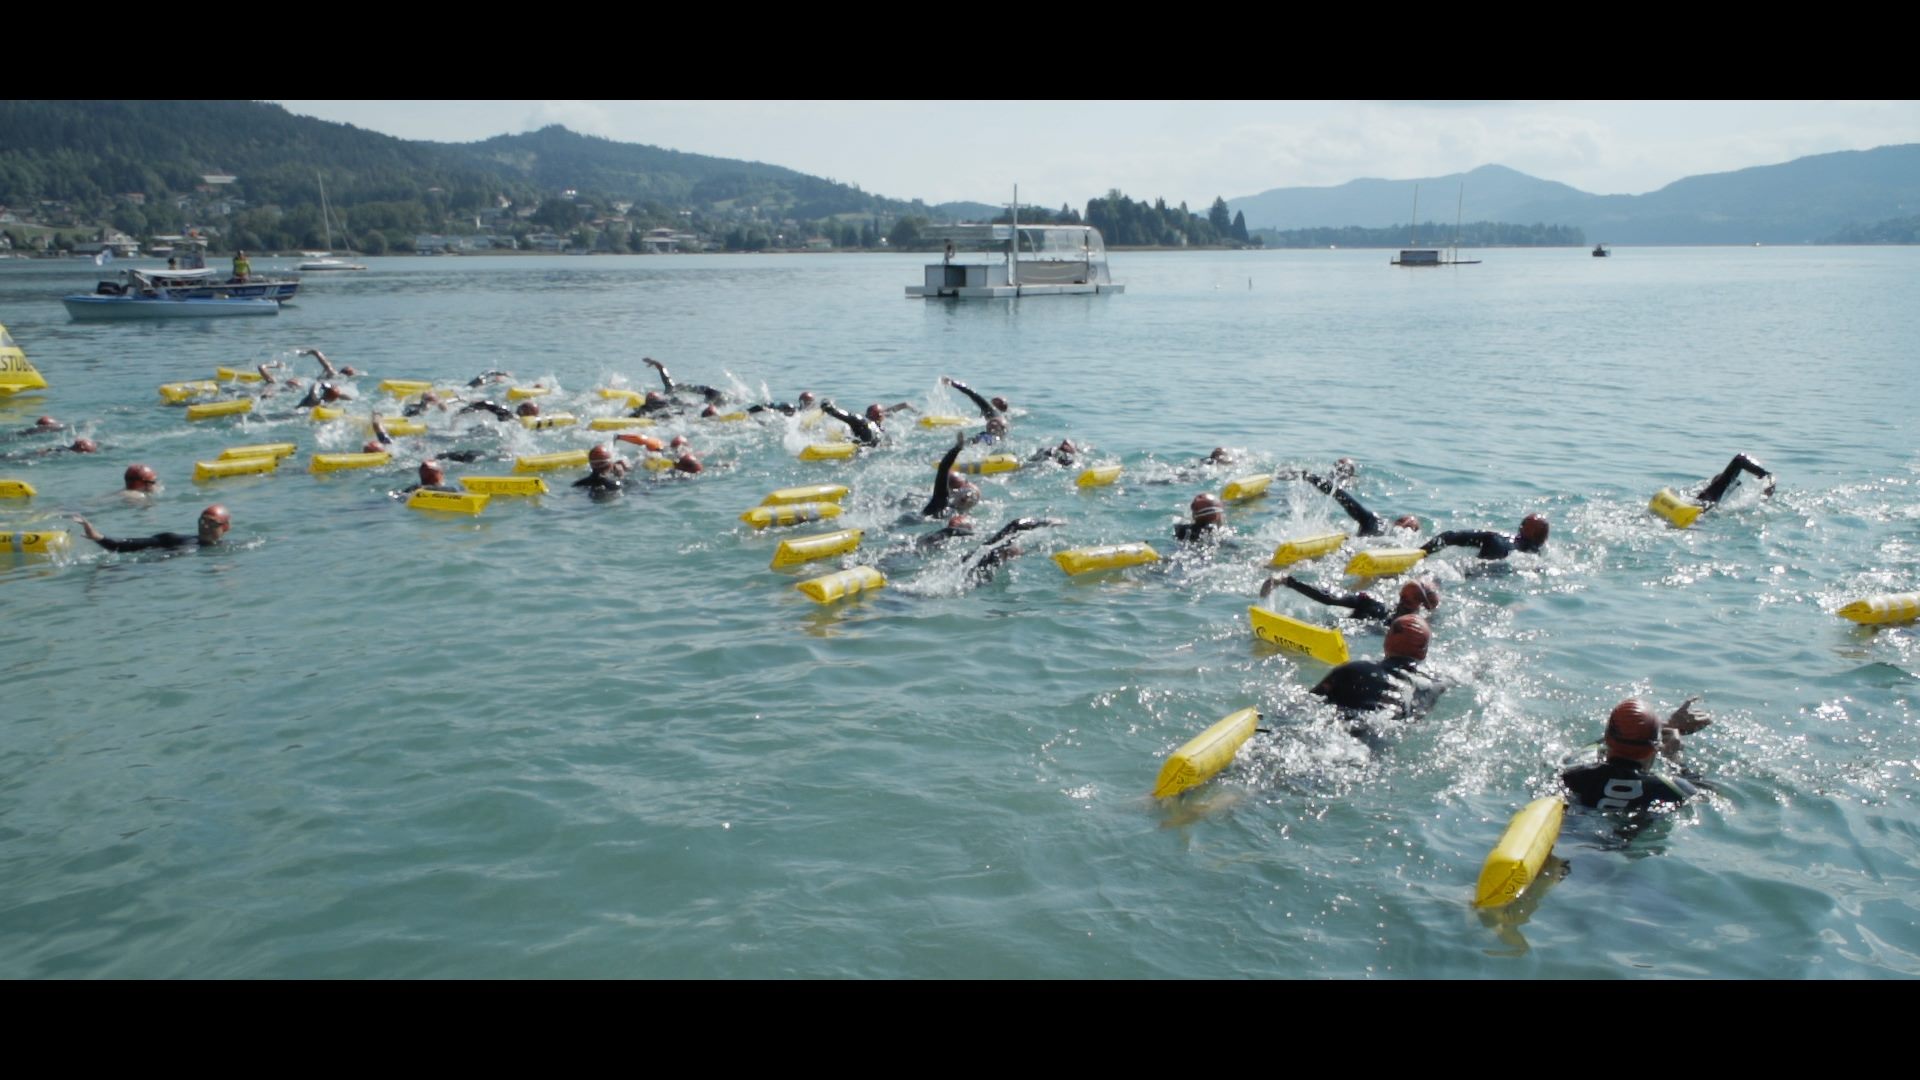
1433, 235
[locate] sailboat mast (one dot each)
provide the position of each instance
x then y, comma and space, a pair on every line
1013, 239
1457, 211
326, 218
1416, 216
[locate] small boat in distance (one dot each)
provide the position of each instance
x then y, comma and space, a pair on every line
1036, 260
86, 307
1600, 251
1418, 256
322, 260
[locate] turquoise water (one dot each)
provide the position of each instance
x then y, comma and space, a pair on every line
578, 739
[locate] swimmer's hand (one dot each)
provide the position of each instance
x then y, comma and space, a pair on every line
86, 528
1685, 720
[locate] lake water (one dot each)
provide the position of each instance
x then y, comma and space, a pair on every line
570, 738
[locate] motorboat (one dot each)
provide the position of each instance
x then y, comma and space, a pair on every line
97, 307
1033, 260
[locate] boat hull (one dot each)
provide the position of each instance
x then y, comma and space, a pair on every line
108, 308
1003, 292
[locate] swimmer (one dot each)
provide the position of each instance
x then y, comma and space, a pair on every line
865, 432
957, 525
1531, 538
213, 525
654, 404
804, 403
1414, 595
46, 425
527, 408
326, 366
988, 409
1716, 488
428, 400
607, 468
1369, 522
996, 432
432, 478
951, 491
1624, 780
1393, 687
486, 377
1066, 454
77, 446
714, 397
982, 564
1209, 519
141, 480
324, 393
498, 411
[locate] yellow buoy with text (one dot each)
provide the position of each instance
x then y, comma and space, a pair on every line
16, 374
337, 462
210, 409
504, 485
16, 489
448, 502
1308, 547
1205, 754
843, 583
1105, 557
35, 543
1877, 610
1381, 562
1678, 512
1324, 643
1516, 860
806, 549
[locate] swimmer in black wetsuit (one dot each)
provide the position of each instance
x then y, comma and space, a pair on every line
77, 446
327, 370
500, 412
46, 425
428, 400
1064, 455
714, 397
324, 393
1393, 688
1414, 595
951, 491
865, 432
1624, 780
486, 377
432, 478
996, 432
981, 565
655, 404
957, 525
1492, 545
213, 525
1209, 520
988, 409
1716, 488
608, 471
140, 480
1369, 522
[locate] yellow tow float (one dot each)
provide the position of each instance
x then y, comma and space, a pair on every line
841, 584
1308, 547
35, 543
805, 494
1888, 608
1105, 557
1099, 476
521, 393
1206, 753
1380, 562
619, 423
175, 393
405, 388
989, 465
504, 485
322, 463
1516, 860
551, 420
320, 414
936, 420
1324, 643
806, 549
448, 502
828, 451
565, 459
210, 409
227, 374
1247, 487
204, 471
272, 450
16, 489
761, 517
633, 398
1678, 512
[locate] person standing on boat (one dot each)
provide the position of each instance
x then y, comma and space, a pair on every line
1414, 595
213, 525
1625, 780
241, 267
1392, 687
1531, 539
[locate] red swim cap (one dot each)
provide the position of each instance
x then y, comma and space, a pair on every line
138, 476
1534, 529
1419, 594
431, 473
1408, 636
959, 521
601, 452
528, 408
1208, 509
876, 414
84, 446
373, 446
709, 412
46, 421
1407, 521
217, 513
689, 464
678, 440
329, 392
654, 398
806, 397
1633, 731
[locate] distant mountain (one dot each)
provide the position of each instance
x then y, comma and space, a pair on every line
1802, 201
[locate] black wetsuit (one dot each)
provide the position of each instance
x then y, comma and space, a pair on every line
604, 482
170, 541
1189, 532
939, 536
986, 407
411, 488
1369, 522
1492, 545
986, 438
1716, 489
942, 481
500, 412
654, 408
999, 547
775, 406
714, 397
864, 431
1053, 454
1623, 784
486, 376
1395, 686
1363, 606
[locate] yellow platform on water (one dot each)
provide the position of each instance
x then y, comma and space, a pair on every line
227, 374
934, 420
844, 583
16, 489
210, 409
805, 549
565, 459
448, 502
551, 420
35, 543
1247, 487
336, 462
226, 466
1516, 860
521, 393
806, 493
1105, 557
504, 485
1678, 512
1381, 562
175, 393
1324, 643
16, 374
405, 388
989, 465
1308, 547
619, 423
1099, 476
272, 450
1205, 754
761, 517
828, 451
1887, 608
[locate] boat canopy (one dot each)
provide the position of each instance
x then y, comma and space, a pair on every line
1076, 241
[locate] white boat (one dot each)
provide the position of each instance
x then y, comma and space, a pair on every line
85, 307
1035, 260
322, 260
199, 283
1417, 256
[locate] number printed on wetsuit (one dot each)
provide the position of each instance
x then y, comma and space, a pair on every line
1620, 794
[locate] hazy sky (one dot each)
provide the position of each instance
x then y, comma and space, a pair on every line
1066, 152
